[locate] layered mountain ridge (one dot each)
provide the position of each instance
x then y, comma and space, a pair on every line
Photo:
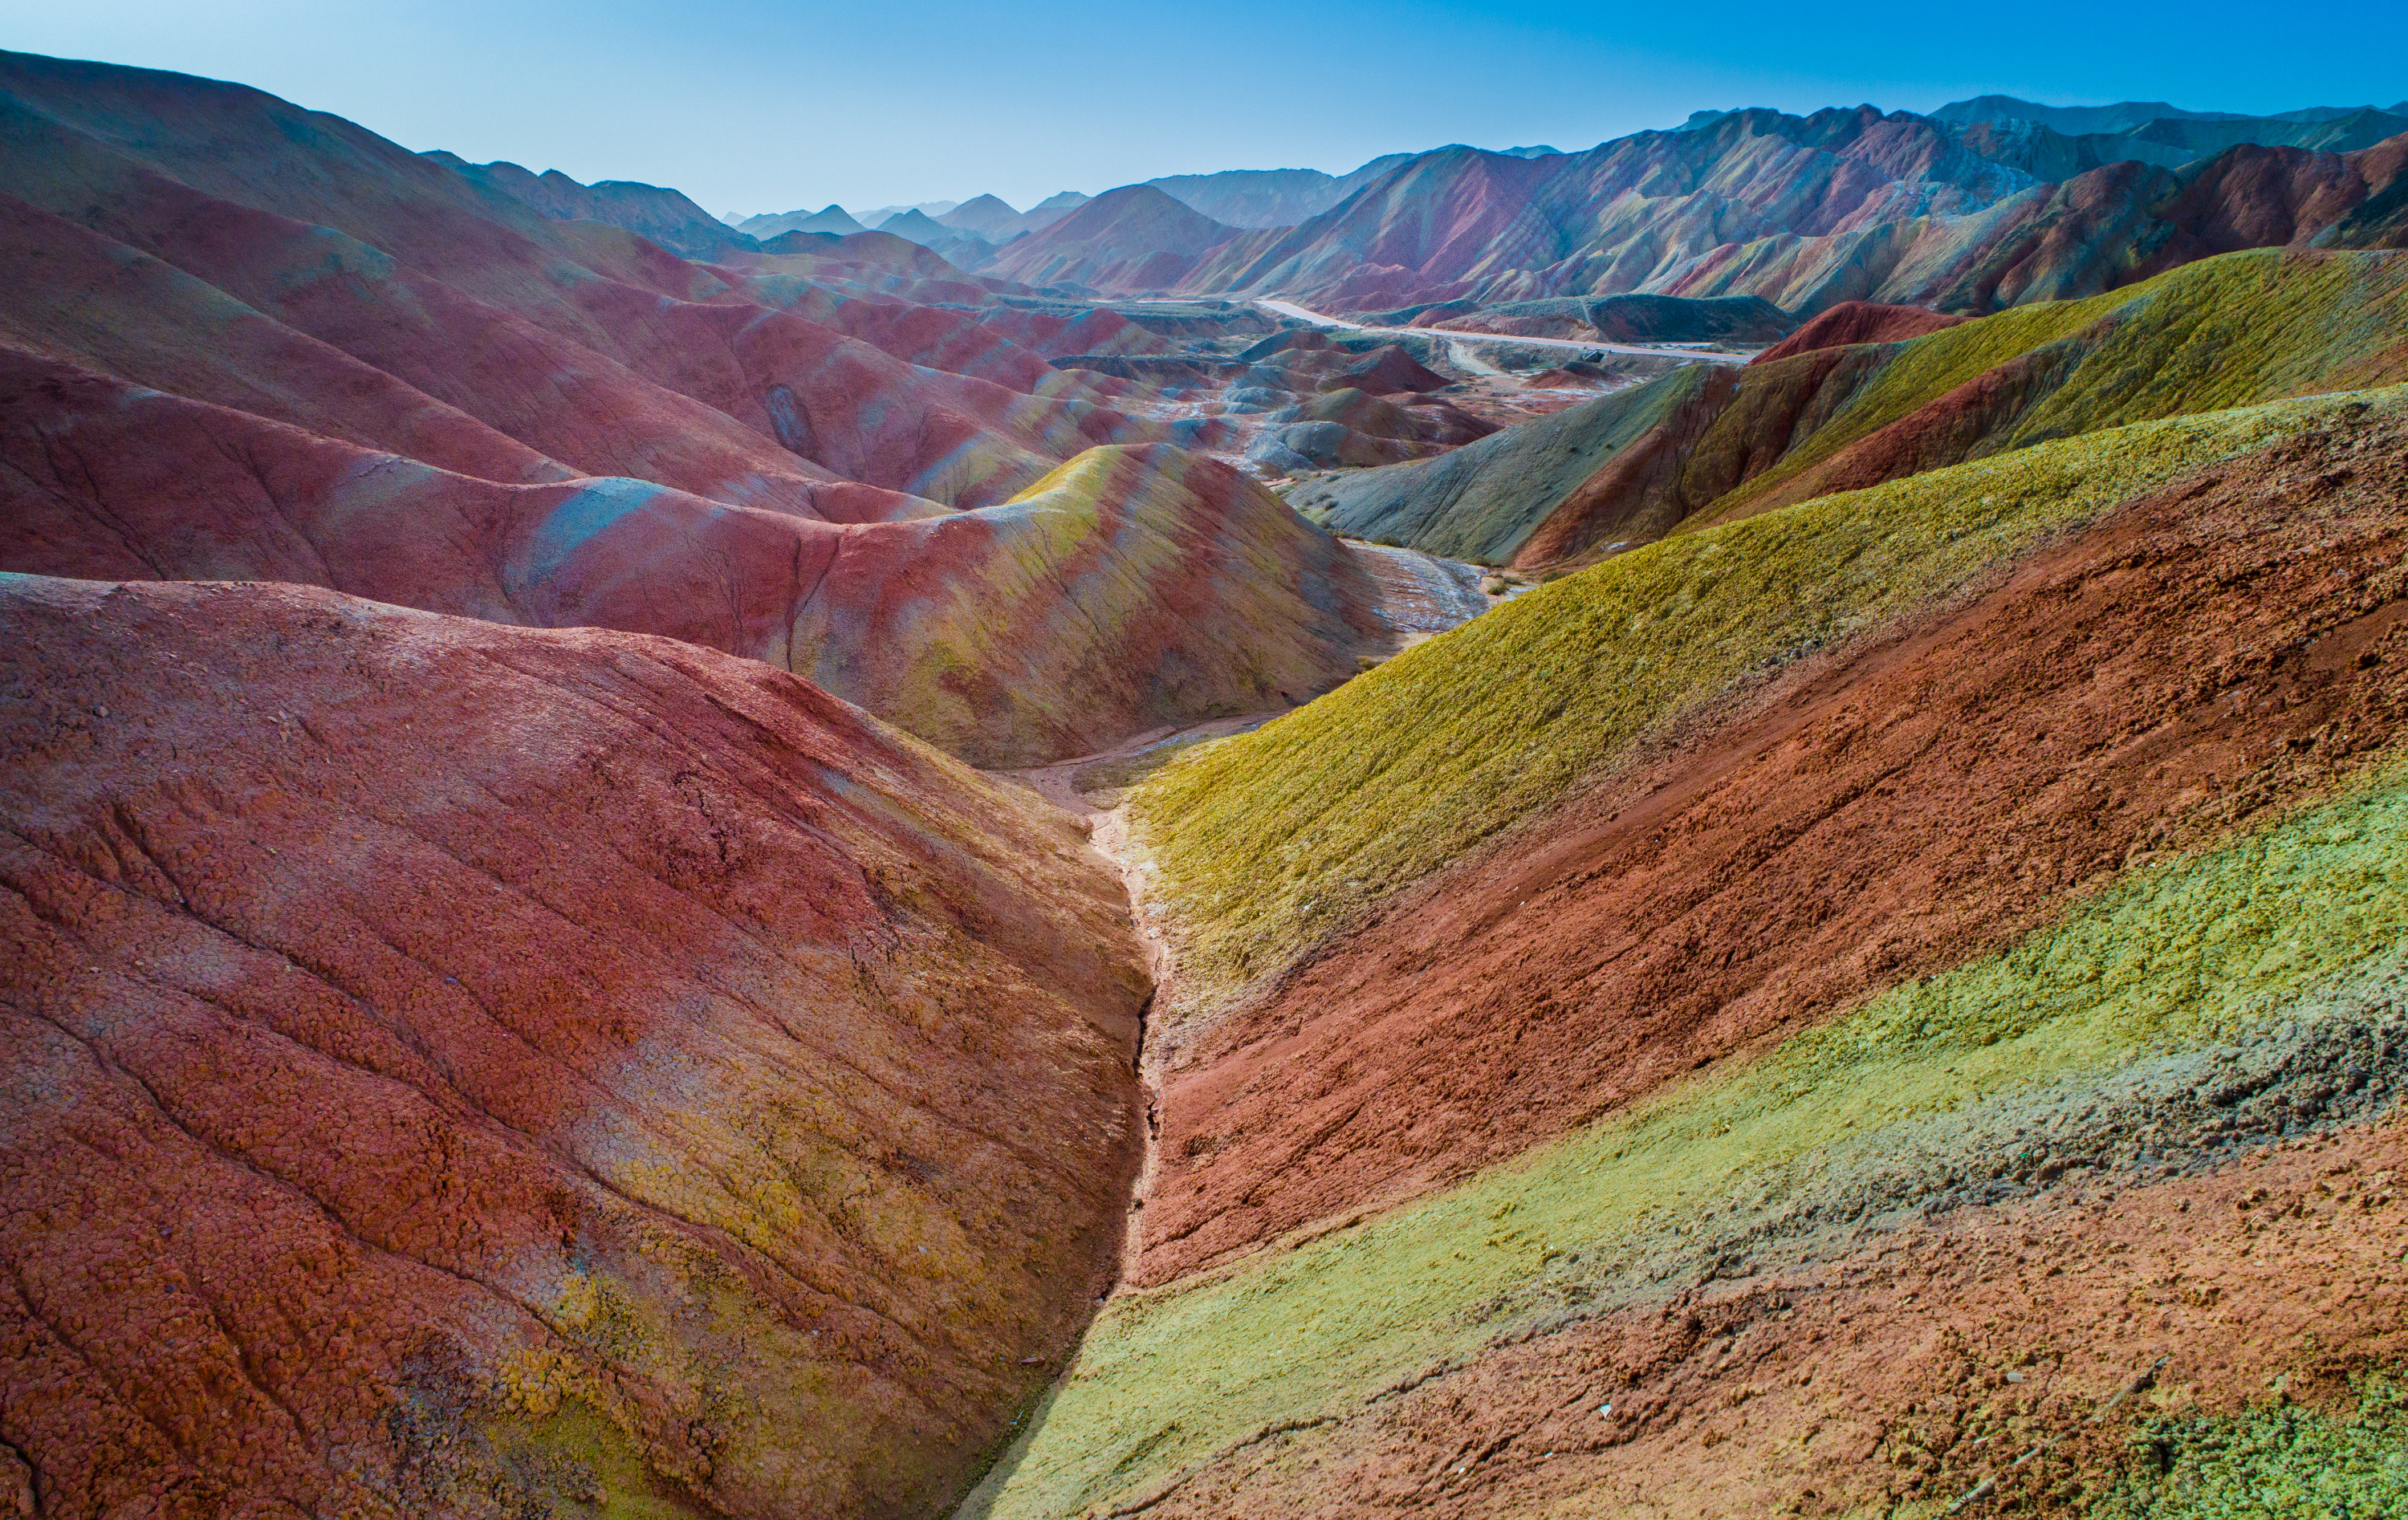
1983, 203
372, 371
1754, 866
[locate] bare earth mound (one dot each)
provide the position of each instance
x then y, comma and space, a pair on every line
460, 1070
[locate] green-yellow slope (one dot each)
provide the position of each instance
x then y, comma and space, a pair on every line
2293, 924
1260, 843
2223, 332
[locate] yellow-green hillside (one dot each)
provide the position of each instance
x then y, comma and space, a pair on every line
2225, 332
2261, 962
1131, 587
1262, 843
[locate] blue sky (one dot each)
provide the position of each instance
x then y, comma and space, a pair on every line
750, 106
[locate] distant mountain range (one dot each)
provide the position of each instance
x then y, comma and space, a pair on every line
662, 215
2125, 116
1983, 203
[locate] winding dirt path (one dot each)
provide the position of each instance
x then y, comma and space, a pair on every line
1456, 340
1106, 819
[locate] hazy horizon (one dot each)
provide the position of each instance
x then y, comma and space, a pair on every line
770, 108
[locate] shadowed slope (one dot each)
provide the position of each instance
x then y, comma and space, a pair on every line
1624, 319
460, 1070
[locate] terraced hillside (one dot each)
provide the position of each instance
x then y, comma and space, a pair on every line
1826, 1005
1693, 447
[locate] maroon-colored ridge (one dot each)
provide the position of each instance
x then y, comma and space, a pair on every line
1859, 322
455, 1069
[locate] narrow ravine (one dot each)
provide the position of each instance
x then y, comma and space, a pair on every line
1099, 808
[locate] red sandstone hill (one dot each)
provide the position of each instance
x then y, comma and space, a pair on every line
458, 1070
1858, 321
1139, 587
1131, 239
242, 340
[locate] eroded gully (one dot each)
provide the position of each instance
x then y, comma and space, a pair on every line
1099, 808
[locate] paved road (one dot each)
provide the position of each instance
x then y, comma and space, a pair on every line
1456, 340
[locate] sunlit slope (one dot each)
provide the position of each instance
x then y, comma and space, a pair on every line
2265, 966
1697, 447
1129, 588
455, 1069
2225, 332
1267, 842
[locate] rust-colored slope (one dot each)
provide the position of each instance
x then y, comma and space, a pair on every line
105, 481
1859, 322
1907, 1367
110, 307
1871, 815
1636, 495
458, 1071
